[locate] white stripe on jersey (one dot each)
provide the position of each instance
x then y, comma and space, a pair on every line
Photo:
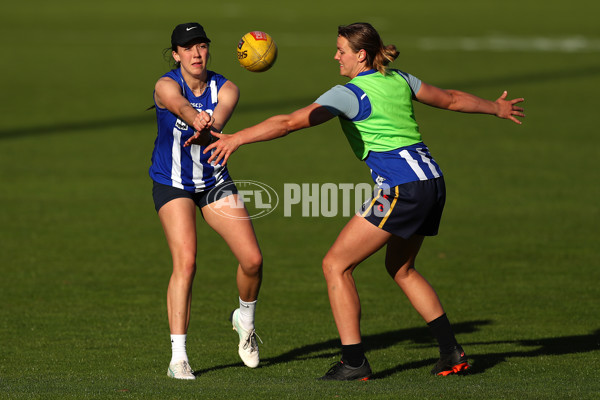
414, 165
176, 159
198, 169
427, 161
213, 91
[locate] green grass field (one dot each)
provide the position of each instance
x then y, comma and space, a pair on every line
84, 264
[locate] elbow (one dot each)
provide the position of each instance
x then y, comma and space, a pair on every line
287, 130
453, 101
287, 126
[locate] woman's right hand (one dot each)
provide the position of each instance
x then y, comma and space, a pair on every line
223, 147
202, 121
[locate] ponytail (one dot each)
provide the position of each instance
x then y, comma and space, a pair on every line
363, 36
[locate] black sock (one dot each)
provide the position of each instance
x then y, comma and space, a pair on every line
442, 331
353, 354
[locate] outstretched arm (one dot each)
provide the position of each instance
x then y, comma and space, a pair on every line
271, 128
456, 100
167, 94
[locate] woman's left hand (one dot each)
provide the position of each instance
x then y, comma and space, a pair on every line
508, 109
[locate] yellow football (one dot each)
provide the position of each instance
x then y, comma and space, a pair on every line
257, 51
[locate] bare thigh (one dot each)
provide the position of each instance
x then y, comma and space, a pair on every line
233, 224
178, 219
356, 242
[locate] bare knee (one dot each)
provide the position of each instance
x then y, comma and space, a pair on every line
333, 268
327, 265
184, 267
402, 273
252, 266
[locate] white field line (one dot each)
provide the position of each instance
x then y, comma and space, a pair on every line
491, 43
571, 44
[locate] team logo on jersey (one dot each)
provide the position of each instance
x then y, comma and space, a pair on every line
182, 126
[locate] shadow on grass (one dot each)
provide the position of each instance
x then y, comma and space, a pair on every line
384, 340
293, 103
147, 117
541, 347
331, 348
480, 362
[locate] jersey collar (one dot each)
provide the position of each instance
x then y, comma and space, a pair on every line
368, 72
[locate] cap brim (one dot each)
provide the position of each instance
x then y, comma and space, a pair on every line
199, 39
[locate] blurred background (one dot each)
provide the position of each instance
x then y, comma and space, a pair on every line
83, 261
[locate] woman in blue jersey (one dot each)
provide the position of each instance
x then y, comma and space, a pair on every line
376, 114
190, 100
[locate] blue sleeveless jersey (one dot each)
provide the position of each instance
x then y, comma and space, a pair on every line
185, 167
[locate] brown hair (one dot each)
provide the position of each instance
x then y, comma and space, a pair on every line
362, 36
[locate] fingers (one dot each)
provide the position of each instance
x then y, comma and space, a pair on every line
189, 142
516, 112
214, 144
217, 156
515, 120
195, 139
210, 147
221, 149
218, 152
203, 121
513, 101
510, 110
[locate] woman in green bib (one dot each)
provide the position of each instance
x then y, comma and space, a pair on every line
376, 114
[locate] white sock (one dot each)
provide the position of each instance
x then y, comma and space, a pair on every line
178, 348
247, 314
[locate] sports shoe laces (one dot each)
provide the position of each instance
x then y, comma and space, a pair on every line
186, 369
250, 341
334, 367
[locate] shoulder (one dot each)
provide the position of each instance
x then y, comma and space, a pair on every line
172, 78
341, 91
337, 94
168, 82
217, 78
229, 90
174, 74
341, 101
413, 82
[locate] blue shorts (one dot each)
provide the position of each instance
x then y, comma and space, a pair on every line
162, 194
407, 209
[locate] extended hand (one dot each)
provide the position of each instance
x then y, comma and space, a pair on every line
201, 138
507, 108
223, 147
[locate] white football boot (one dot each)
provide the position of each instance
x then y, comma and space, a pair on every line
248, 347
180, 370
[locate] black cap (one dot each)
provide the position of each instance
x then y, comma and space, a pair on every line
185, 33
